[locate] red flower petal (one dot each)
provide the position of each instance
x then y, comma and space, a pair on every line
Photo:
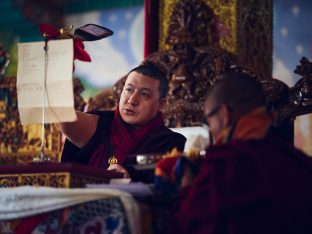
79, 52
47, 29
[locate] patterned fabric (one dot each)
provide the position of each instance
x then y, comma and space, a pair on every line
99, 216
165, 176
51, 210
169, 172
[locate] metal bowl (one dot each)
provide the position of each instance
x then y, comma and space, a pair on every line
144, 159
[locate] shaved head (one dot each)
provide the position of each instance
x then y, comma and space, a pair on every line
241, 93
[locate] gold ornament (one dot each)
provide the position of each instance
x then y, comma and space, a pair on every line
112, 160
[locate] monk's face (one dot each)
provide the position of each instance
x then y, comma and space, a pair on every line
216, 116
140, 99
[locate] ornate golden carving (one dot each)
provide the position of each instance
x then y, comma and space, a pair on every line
193, 62
19, 144
37, 179
191, 72
198, 42
200, 39
57, 180
33, 179
244, 28
8, 181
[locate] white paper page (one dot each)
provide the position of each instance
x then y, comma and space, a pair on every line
58, 89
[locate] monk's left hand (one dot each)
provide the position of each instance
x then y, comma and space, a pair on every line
119, 168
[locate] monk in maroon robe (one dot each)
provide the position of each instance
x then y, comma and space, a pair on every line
107, 138
251, 181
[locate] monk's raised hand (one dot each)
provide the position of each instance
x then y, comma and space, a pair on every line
119, 168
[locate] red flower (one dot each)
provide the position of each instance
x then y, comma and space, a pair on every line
79, 52
49, 32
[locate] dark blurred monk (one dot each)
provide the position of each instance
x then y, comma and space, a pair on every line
106, 138
250, 182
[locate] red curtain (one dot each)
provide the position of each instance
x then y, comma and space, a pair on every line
151, 28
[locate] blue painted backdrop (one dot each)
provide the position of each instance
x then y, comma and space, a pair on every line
292, 40
115, 56
292, 37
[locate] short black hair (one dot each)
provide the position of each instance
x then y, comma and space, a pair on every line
150, 70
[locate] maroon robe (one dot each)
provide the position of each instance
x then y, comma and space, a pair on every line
123, 140
248, 187
159, 140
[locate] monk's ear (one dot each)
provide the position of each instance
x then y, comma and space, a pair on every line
162, 103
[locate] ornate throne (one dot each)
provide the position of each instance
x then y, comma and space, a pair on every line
199, 40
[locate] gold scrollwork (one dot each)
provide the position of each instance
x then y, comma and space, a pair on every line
57, 180
8, 181
33, 179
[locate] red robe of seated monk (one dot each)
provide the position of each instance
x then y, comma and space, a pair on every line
250, 185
